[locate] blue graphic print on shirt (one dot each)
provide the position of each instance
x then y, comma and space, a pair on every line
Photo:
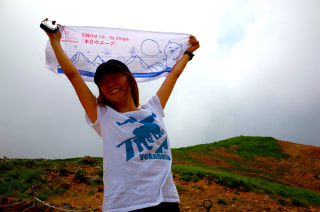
145, 137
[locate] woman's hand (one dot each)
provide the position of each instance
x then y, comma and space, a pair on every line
56, 36
194, 44
87, 99
167, 86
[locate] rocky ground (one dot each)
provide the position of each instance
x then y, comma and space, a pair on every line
80, 196
192, 196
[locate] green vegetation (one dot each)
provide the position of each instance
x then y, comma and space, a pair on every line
91, 192
246, 147
250, 146
81, 175
243, 183
17, 182
222, 201
17, 176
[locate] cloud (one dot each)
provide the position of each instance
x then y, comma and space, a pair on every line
256, 73
272, 69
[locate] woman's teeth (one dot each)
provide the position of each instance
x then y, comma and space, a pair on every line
114, 91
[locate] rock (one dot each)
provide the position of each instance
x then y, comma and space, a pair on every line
67, 206
15, 207
187, 208
93, 179
100, 188
89, 160
4, 158
5, 201
63, 172
32, 208
59, 183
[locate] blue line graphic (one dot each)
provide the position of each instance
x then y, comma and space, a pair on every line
135, 75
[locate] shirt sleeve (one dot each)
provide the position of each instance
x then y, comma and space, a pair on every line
155, 105
96, 124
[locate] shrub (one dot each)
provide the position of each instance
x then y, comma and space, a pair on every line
100, 172
282, 202
91, 192
181, 188
193, 173
296, 202
18, 181
222, 201
81, 175
6, 165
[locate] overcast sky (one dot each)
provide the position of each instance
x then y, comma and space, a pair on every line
256, 73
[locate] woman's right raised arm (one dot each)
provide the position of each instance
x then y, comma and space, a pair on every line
86, 97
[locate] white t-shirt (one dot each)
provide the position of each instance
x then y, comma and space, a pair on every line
136, 158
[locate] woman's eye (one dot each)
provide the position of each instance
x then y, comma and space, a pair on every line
116, 77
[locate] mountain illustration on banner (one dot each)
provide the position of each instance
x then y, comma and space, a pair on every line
148, 55
80, 60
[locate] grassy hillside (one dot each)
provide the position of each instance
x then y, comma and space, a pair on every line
255, 164
283, 173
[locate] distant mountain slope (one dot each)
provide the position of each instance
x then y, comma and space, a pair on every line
256, 159
291, 164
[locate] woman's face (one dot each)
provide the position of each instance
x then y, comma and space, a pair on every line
115, 87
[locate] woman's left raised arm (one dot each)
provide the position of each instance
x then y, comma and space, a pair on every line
167, 86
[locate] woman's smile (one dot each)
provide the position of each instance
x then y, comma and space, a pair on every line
114, 91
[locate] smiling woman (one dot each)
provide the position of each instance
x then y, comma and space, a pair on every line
115, 83
136, 149
114, 90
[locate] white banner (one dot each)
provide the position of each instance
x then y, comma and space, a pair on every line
149, 55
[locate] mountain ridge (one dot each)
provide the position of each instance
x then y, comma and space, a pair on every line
292, 161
